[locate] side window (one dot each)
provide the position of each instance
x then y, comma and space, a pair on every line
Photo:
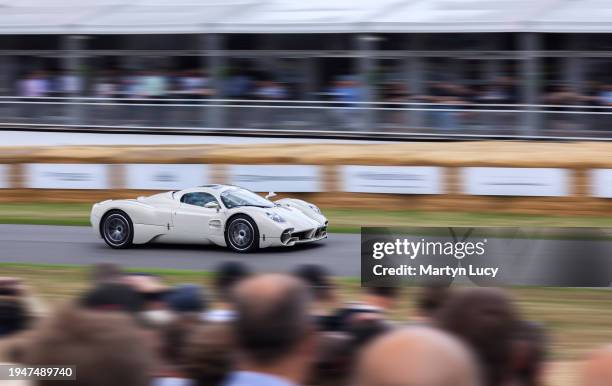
198, 198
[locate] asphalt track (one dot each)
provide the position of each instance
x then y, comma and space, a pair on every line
78, 245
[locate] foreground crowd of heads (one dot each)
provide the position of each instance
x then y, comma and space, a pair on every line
279, 330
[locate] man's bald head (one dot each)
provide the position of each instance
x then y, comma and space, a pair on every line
272, 316
417, 356
598, 368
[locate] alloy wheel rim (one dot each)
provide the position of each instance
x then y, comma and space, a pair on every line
241, 234
116, 230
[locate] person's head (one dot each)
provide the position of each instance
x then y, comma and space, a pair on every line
227, 275
150, 287
528, 353
208, 354
105, 273
171, 341
485, 318
430, 300
273, 329
382, 297
112, 297
107, 348
317, 278
419, 356
12, 287
14, 316
186, 299
597, 369
334, 360
365, 327
152, 290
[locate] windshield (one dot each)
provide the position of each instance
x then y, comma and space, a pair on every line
242, 197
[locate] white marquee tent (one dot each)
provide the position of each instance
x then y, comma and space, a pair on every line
302, 16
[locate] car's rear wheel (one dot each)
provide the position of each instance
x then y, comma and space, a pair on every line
241, 234
117, 229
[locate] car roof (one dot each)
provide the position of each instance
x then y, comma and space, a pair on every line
210, 188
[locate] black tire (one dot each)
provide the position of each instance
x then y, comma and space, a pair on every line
241, 234
117, 229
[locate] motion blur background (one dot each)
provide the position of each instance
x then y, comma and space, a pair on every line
449, 67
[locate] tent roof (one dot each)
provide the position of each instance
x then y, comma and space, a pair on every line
295, 16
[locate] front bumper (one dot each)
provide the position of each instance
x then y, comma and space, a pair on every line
95, 224
289, 237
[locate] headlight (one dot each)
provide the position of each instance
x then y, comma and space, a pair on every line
275, 217
315, 208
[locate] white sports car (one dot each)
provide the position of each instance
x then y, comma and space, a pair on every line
213, 214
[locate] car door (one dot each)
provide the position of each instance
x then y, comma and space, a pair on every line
194, 222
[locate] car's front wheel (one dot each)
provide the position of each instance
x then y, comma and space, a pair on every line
117, 229
241, 234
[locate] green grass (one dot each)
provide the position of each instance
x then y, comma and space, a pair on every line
45, 214
577, 319
341, 220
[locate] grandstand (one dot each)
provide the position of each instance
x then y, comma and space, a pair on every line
392, 67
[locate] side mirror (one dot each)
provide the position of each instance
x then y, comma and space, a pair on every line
270, 195
212, 205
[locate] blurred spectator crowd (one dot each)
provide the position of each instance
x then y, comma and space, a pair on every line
278, 330
142, 84
342, 88
440, 104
